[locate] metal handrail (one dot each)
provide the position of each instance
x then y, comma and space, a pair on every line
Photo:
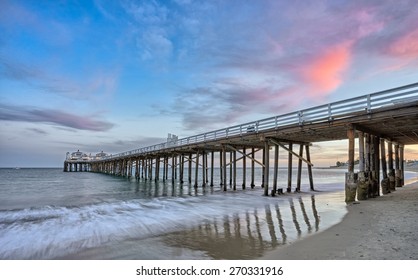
331, 111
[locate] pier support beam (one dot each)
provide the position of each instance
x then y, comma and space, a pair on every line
308, 158
157, 169
391, 169
362, 186
150, 168
182, 169
204, 168
266, 168
252, 167
289, 169
143, 169
276, 168
398, 179
137, 169
165, 163
212, 166
230, 169
401, 158
299, 178
350, 176
374, 161
196, 175
234, 166
190, 169
244, 169
176, 167
385, 181
224, 167
173, 168
221, 167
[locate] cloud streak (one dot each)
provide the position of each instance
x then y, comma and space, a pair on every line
405, 46
113, 146
226, 102
34, 77
49, 116
97, 84
38, 131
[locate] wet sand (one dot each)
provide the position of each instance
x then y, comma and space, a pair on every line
377, 229
247, 234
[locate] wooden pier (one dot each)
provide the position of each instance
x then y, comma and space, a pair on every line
382, 122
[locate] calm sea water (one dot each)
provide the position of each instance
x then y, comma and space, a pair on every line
48, 214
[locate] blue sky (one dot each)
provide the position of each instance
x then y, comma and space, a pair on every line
119, 75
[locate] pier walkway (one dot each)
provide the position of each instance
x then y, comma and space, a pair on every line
383, 122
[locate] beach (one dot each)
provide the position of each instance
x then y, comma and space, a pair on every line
382, 228
50, 214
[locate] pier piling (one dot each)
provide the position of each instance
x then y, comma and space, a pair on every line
309, 164
299, 178
276, 168
398, 179
391, 174
362, 184
244, 168
350, 176
289, 169
266, 167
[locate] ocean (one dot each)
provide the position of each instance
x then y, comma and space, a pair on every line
51, 214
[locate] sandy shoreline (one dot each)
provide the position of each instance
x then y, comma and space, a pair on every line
381, 228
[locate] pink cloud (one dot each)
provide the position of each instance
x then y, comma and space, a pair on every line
406, 46
324, 72
366, 22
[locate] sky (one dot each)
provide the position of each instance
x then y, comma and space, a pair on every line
120, 75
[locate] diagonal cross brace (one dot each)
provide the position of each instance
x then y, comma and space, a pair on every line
292, 152
246, 155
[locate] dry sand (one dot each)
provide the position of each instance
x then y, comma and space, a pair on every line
381, 228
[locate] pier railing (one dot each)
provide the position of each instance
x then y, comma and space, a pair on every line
328, 112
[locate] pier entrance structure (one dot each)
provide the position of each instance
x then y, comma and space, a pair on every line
383, 122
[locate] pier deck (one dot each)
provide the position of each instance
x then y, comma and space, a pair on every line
382, 121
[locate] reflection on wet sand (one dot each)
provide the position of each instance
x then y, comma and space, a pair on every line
250, 234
